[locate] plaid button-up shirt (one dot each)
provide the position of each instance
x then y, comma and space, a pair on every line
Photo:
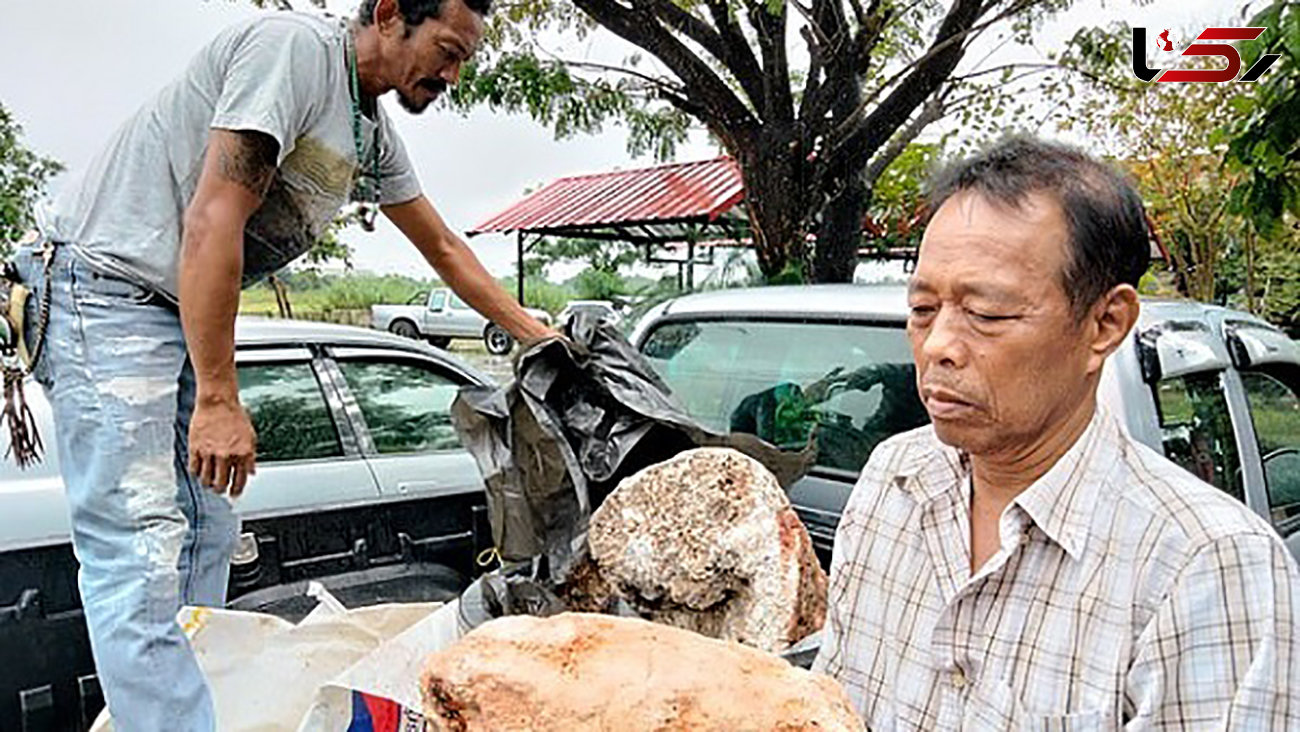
1125, 592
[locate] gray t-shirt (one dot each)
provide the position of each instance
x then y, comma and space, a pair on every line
284, 74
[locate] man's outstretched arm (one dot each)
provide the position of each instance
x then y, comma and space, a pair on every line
461, 270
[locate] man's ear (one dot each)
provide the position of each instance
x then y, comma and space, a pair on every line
1112, 317
387, 16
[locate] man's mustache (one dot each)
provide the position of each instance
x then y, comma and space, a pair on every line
437, 86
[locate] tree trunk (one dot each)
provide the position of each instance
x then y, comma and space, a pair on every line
836, 253
281, 297
776, 200
840, 230
1205, 268
1250, 269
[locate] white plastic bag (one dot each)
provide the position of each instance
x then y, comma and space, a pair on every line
381, 692
265, 672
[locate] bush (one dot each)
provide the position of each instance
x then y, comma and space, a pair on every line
312, 293
360, 291
596, 284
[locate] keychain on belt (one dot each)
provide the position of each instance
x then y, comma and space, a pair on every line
17, 359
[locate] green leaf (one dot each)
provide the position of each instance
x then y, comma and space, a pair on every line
23, 177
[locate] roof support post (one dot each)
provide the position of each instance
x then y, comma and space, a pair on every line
519, 268
690, 263
692, 236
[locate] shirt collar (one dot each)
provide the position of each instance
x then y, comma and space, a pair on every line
1061, 502
928, 474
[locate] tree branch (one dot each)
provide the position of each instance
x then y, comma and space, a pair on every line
934, 109
742, 67
859, 14
820, 36
957, 103
1090, 76
812, 84
858, 138
828, 15
778, 102
870, 31
659, 83
945, 51
684, 105
642, 28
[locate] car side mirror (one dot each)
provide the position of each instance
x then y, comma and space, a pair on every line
1282, 473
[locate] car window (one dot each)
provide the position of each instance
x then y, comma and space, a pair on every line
1196, 429
1275, 414
846, 386
288, 411
438, 300
407, 407
458, 303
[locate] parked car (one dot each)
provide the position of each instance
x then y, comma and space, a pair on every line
441, 316
1215, 390
362, 484
603, 309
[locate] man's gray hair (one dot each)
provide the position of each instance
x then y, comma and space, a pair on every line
1108, 243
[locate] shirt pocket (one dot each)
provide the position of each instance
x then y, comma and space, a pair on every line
994, 706
1077, 722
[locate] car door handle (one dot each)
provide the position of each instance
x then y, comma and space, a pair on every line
417, 486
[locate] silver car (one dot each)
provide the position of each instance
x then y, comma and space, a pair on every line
1215, 390
362, 484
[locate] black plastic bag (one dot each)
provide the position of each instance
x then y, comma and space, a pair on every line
581, 414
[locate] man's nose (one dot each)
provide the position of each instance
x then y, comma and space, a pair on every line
945, 341
451, 73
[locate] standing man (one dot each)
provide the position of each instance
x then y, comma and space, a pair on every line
1023, 563
225, 176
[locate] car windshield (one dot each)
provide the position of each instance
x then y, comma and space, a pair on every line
845, 386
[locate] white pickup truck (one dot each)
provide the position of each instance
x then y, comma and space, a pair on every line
440, 316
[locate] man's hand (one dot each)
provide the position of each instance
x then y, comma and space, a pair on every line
223, 446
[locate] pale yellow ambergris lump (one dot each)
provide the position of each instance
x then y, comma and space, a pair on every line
580, 672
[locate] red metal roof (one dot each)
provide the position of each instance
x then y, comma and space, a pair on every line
702, 190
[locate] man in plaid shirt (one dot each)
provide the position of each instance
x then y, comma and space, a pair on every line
1023, 563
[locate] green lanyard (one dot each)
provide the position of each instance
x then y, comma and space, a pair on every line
367, 190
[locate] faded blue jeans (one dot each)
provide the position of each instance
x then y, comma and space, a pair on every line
148, 537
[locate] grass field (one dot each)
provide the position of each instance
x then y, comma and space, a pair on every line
261, 301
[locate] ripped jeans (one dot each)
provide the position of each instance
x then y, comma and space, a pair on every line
148, 537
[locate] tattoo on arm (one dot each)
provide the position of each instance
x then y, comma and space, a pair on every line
249, 160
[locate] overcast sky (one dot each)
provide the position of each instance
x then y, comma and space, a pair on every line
73, 70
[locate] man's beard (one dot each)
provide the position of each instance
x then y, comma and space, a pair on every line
413, 106
435, 87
